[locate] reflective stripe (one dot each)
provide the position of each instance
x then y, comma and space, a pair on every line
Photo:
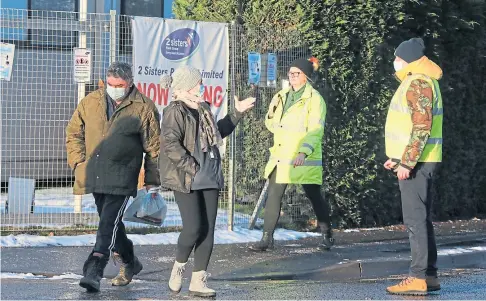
398, 108
291, 162
436, 92
318, 121
308, 146
398, 137
436, 111
434, 141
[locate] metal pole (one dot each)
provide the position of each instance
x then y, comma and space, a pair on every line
232, 174
83, 9
112, 36
258, 207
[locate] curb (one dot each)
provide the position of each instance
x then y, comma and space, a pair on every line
373, 268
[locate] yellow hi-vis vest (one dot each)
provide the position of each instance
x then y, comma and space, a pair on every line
399, 124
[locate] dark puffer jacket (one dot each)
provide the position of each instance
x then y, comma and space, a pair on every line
177, 162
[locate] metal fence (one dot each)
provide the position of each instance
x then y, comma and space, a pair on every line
36, 182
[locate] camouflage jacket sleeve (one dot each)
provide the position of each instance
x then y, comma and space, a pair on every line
419, 98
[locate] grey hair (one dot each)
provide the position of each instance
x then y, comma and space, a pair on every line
121, 70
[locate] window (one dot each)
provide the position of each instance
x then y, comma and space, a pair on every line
60, 10
58, 13
146, 8
12, 10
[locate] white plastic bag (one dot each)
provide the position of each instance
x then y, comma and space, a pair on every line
147, 209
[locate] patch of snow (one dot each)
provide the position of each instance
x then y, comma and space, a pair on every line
165, 259
20, 276
30, 276
303, 251
459, 250
66, 276
363, 229
239, 235
61, 200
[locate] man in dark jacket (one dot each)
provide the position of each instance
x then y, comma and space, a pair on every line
106, 138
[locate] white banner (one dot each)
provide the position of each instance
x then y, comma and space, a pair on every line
160, 46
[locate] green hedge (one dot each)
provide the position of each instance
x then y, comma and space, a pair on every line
354, 41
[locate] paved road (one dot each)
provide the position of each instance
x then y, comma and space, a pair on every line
457, 285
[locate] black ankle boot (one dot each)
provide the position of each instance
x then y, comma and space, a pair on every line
265, 243
327, 238
93, 272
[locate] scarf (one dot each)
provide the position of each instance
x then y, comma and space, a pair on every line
208, 131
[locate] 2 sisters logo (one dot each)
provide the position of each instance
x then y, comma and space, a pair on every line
180, 44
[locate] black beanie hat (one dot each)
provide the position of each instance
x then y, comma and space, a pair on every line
411, 50
305, 65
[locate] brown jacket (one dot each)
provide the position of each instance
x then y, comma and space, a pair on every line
177, 163
107, 155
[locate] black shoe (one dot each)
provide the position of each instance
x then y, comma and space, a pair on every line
127, 271
265, 243
93, 272
327, 239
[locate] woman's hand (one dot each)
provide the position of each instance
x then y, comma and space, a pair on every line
299, 160
244, 105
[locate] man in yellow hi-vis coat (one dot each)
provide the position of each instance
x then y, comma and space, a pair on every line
296, 118
413, 140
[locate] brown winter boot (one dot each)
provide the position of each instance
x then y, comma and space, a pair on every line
127, 270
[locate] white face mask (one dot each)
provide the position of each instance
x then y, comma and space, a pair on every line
115, 93
397, 65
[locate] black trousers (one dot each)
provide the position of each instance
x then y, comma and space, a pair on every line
274, 204
198, 212
416, 207
111, 235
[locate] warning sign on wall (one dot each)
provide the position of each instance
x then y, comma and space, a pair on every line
82, 65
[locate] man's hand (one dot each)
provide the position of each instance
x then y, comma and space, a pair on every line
402, 173
299, 160
389, 164
148, 187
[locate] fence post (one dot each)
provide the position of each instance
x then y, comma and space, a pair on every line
231, 171
83, 9
112, 36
